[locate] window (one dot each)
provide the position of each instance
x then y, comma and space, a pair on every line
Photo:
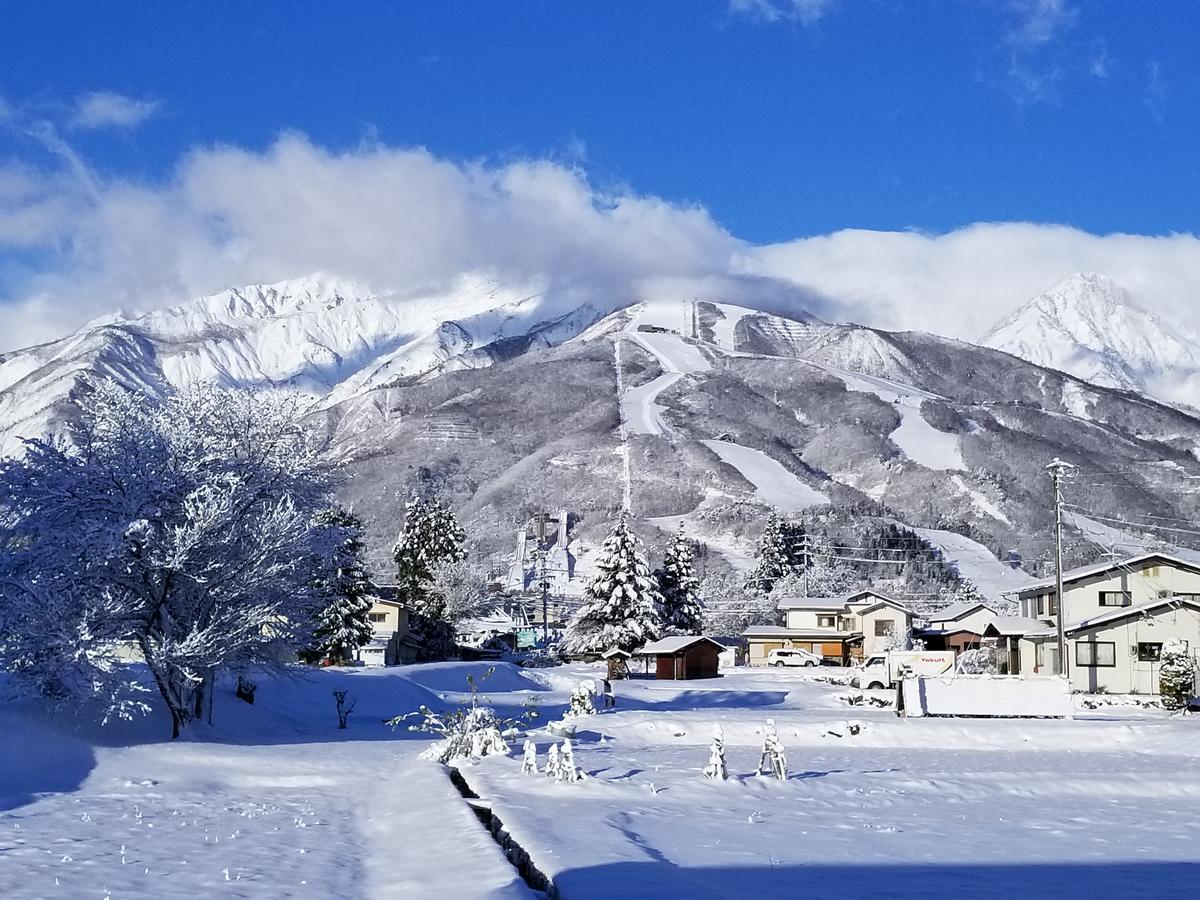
826, 621
1052, 606
1149, 652
1096, 654
884, 627
846, 623
377, 617
1115, 598
1041, 606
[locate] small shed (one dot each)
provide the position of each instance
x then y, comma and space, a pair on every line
684, 657
618, 662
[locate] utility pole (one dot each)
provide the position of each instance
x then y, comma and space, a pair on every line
1057, 469
544, 584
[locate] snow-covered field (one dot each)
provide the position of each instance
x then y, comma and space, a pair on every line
274, 801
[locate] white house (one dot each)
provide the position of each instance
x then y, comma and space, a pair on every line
392, 642
837, 628
1117, 616
959, 626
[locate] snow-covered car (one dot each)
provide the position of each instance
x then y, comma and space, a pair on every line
792, 658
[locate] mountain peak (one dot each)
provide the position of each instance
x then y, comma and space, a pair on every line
1088, 326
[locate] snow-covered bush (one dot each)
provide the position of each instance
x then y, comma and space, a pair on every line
979, 661
583, 700
180, 529
773, 760
553, 763
716, 770
567, 770
529, 764
472, 731
1176, 675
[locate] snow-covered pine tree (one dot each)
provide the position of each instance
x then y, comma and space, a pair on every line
431, 538
1176, 675
680, 611
620, 604
343, 623
771, 559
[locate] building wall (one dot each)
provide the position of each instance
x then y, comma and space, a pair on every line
1129, 674
1083, 597
873, 643
808, 618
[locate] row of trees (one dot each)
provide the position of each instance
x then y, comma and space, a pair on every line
626, 605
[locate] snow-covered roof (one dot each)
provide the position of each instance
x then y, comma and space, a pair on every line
1124, 612
772, 631
812, 603
1006, 626
614, 651
958, 610
1082, 572
674, 644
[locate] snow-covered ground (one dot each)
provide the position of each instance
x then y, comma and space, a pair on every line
274, 801
773, 484
1096, 807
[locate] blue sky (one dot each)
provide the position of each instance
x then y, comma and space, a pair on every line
784, 119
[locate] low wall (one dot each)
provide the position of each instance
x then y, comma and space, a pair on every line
987, 695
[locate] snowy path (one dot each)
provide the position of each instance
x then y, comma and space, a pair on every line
773, 484
274, 802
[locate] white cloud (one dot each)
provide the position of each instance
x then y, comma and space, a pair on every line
402, 218
1039, 22
806, 12
105, 109
392, 218
958, 284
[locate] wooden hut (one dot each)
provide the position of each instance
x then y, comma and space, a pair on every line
684, 657
618, 663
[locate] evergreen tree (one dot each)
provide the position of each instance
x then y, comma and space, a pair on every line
771, 560
680, 610
431, 538
343, 623
1176, 675
620, 604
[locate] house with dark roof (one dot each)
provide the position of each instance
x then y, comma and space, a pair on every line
1117, 615
839, 629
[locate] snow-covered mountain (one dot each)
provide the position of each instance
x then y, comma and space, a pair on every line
325, 336
1088, 326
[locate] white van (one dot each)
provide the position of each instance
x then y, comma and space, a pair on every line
792, 657
885, 669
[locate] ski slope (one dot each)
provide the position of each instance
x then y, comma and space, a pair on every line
639, 406
974, 561
773, 484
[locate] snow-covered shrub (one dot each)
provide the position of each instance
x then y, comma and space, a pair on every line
583, 702
1176, 675
716, 770
567, 770
180, 529
553, 763
773, 760
472, 731
529, 764
979, 661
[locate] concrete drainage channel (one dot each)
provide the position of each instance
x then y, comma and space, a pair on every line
517, 856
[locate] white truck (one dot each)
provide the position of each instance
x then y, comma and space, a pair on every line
884, 670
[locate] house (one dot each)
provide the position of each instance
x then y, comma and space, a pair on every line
836, 628
1005, 633
958, 627
393, 643
1117, 615
684, 657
